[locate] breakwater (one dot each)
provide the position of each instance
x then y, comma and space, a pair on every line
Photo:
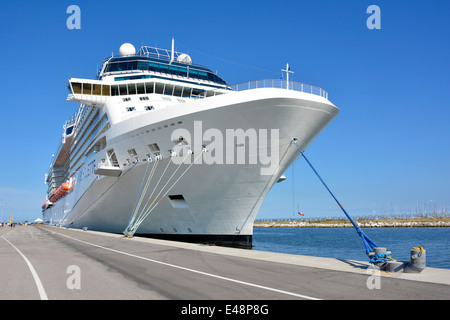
387, 223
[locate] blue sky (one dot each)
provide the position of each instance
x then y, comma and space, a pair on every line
388, 147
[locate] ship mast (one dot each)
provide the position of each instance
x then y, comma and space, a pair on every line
288, 70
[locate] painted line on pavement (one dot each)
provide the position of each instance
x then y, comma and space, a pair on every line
194, 271
38, 282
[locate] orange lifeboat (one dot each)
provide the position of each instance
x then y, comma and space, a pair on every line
46, 204
65, 186
59, 193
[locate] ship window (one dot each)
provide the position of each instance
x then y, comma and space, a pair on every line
106, 90
153, 66
69, 130
140, 88
196, 92
163, 68
148, 108
149, 87
193, 74
112, 67
123, 89
143, 98
87, 88
131, 88
97, 90
159, 88
76, 86
178, 91
129, 109
169, 89
174, 70
183, 72
202, 75
126, 99
114, 90
187, 92
132, 65
142, 65
121, 66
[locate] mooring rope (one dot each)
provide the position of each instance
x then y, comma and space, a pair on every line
140, 195
136, 203
138, 216
368, 243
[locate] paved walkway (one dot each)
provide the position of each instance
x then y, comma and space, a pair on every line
66, 264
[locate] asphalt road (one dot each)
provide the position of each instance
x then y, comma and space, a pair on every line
39, 262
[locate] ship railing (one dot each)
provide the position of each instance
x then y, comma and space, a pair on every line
281, 84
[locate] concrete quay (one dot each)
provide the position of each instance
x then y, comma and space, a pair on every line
41, 262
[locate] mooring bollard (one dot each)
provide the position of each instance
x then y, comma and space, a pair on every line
418, 260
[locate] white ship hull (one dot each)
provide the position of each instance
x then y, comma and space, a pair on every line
219, 201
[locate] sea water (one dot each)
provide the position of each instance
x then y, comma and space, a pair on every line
345, 243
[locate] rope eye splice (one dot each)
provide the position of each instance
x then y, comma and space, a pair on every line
378, 255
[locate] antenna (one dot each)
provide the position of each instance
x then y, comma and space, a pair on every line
288, 70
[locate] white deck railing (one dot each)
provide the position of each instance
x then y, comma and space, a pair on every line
282, 84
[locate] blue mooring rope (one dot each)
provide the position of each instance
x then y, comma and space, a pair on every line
368, 243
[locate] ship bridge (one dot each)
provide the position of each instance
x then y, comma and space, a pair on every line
161, 61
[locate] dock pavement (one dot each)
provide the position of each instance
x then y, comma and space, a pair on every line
51, 263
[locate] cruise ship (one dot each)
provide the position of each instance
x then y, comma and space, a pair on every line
165, 148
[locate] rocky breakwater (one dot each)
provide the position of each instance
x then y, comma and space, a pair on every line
361, 224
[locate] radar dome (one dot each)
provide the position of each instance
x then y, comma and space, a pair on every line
127, 49
184, 58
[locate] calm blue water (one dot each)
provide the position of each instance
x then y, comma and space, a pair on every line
345, 243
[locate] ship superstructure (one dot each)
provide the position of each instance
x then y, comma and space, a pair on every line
165, 148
